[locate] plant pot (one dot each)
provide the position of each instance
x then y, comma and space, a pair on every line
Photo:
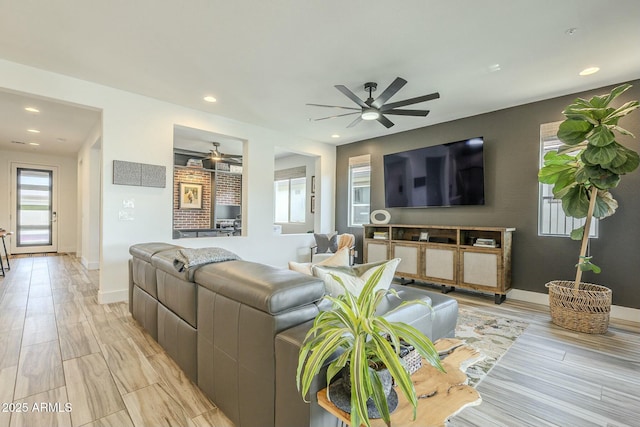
340, 393
585, 309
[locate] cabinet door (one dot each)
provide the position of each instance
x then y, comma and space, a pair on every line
376, 252
410, 259
440, 264
481, 268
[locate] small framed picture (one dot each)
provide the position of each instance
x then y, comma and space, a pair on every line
424, 237
190, 196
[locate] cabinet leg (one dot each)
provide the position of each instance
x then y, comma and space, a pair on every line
447, 289
500, 298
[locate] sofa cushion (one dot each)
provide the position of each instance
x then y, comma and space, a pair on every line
326, 242
269, 289
354, 278
340, 258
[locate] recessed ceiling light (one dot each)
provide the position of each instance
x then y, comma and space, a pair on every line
589, 71
494, 67
33, 143
571, 31
210, 98
33, 130
32, 110
335, 135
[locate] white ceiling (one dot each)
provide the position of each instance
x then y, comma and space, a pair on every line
264, 60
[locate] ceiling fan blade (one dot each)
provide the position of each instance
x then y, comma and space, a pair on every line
333, 106
416, 100
386, 122
391, 90
352, 96
339, 115
418, 113
355, 122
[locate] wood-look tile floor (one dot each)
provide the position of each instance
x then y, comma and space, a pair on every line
555, 377
58, 346
66, 360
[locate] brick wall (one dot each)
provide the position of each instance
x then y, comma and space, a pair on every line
192, 218
228, 189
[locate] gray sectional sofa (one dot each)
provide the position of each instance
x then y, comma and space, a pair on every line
236, 327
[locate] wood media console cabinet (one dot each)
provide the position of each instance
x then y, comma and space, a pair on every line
477, 258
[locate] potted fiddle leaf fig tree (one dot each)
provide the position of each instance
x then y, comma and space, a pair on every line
582, 172
368, 341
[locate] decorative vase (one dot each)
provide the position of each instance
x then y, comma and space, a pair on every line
340, 392
585, 309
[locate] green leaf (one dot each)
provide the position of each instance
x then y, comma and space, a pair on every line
605, 206
360, 383
617, 91
577, 233
585, 264
602, 178
379, 398
625, 109
622, 131
576, 202
549, 174
596, 155
625, 162
568, 149
557, 168
601, 136
599, 101
573, 132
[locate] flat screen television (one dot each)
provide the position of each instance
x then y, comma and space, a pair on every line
441, 175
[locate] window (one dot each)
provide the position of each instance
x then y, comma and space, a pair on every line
552, 221
290, 195
359, 190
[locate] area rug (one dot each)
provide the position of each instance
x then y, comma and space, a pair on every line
490, 334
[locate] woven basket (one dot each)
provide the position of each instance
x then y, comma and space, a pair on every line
412, 361
585, 309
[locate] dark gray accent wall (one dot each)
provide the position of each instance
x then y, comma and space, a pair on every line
512, 149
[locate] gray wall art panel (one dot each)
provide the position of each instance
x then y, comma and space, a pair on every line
139, 174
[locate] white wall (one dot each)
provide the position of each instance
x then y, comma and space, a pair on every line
89, 173
67, 183
140, 129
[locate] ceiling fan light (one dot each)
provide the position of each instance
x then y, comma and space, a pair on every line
370, 114
215, 155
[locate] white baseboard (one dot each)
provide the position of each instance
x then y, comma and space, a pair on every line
95, 265
113, 296
617, 311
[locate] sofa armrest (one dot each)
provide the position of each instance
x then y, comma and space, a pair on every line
290, 408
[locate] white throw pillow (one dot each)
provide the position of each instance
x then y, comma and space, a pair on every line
340, 258
354, 278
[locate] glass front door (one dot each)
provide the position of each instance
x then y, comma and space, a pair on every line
34, 217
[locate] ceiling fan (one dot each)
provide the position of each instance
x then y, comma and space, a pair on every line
371, 109
216, 156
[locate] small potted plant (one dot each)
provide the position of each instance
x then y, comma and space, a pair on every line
367, 340
582, 172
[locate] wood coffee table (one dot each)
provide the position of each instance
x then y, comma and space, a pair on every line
440, 395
